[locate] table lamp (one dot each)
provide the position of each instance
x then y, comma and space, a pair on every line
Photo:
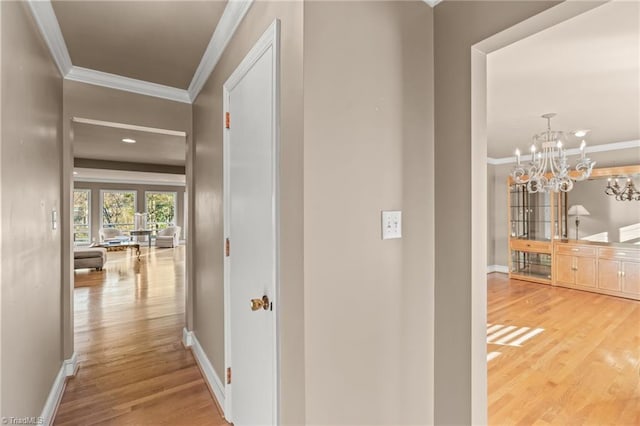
577, 210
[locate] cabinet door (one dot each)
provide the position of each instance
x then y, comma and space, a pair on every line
631, 277
565, 273
608, 274
586, 271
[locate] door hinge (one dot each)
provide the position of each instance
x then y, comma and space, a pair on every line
228, 375
227, 120
227, 247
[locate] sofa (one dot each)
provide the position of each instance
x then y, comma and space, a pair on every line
89, 257
168, 237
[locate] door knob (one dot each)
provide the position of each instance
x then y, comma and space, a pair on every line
257, 304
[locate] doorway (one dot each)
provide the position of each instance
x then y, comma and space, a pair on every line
479, 52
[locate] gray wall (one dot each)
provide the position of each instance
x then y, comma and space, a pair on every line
96, 208
31, 340
368, 105
208, 323
458, 26
376, 154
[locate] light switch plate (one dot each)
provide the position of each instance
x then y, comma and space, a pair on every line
391, 224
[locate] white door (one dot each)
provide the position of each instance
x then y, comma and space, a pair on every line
251, 226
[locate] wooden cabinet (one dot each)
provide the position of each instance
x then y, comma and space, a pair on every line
575, 266
597, 267
619, 271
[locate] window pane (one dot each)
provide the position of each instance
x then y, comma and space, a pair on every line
118, 209
81, 213
161, 208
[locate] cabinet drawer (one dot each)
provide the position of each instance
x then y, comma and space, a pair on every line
530, 245
619, 253
575, 250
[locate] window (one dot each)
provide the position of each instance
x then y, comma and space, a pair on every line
161, 209
81, 215
118, 209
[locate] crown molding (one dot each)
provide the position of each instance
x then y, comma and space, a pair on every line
233, 14
126, 126
432, 3
45, 18
615, 146
47, 22
113, 81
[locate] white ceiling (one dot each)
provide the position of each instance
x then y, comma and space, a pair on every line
105, 143
587, 70
119, 176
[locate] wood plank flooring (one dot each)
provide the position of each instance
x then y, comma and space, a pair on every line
556, 356
128, 328
560, 356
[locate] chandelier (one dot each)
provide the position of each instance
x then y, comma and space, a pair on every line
626, 193
549, 169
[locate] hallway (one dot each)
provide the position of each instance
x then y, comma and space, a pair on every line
128, 328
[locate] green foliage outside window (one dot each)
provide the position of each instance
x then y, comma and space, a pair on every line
161, 209
81, 215
118, 209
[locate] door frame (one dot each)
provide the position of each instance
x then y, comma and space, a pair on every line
478, 307
270, 39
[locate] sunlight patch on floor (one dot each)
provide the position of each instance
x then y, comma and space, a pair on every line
511, 335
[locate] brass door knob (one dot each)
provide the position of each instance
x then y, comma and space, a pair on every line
257, 304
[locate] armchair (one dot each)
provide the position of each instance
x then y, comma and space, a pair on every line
168, 237
110, 234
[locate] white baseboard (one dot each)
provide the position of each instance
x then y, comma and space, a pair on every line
71, 365
497, 268
187, 338
69, 368
210, 375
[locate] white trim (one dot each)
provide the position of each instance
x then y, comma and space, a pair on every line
141, 87
606, 147
497, 268
270, 39
129, 181
71, 365
233, 14
432, 3
208, 372
46, 20
125, 126
69, 368
187, 338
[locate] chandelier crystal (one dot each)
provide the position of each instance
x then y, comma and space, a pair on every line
549, 168
626, 193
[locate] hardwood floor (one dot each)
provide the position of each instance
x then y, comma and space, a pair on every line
560, 356
556, 356
128, 329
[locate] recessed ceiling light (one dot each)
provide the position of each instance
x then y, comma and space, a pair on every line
581, 133
75, 173
128, 140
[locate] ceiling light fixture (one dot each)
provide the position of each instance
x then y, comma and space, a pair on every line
549, 169
581, 133
75, 173
628, 193
128, 140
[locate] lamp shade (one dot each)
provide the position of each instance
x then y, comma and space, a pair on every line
578, 210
